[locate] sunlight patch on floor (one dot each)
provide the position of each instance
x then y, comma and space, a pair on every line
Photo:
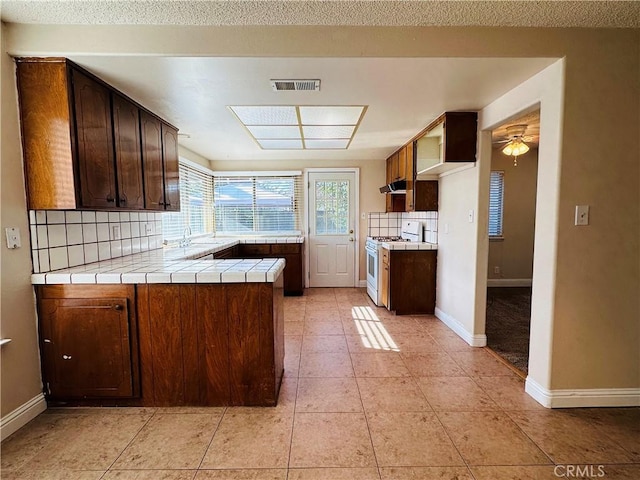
371, 329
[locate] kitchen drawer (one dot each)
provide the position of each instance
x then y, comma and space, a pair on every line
255, 249
282, 248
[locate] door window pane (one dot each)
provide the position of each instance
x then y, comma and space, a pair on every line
332, 207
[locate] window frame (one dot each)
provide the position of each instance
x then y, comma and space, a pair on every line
496, 201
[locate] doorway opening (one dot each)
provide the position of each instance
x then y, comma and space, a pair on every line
512, 210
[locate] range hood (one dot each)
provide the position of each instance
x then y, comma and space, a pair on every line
399, 186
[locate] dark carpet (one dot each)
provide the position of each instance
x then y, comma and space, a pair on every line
508, 320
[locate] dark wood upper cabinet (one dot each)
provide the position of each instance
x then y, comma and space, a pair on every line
94, 142
160, 157
86, 342
151, 131
82, 142
447, 143
171, 169
126, 131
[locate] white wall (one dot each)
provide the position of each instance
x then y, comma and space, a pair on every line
20, 365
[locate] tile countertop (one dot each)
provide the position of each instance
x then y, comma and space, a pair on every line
409, 245
172, 265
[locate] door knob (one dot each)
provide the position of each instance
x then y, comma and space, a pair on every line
350, 231
351, 239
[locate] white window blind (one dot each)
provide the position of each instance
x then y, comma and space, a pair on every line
196, 205
257, 204
496, 196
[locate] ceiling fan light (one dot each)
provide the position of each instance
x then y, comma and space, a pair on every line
515, 147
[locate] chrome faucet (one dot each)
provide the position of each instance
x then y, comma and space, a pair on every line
186, 240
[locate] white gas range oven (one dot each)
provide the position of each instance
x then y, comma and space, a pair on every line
410, 232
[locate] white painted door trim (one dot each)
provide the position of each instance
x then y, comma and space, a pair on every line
356, 256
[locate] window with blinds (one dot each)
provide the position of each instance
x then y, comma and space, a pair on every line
196, 205
496, 197
257, 204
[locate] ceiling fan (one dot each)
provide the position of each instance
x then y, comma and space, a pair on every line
515, 144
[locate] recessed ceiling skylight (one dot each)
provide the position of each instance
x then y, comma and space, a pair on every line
308, 127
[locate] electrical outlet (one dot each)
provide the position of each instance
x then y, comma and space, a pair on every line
148, 228
496, 270
13, 237
115, 232
582, 215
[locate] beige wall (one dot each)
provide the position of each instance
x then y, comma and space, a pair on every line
20, 364
514, 254
372, 176
585, 329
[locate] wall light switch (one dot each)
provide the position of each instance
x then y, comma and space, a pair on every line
363, 216
582, 215
471, 216
13, 237
115, 232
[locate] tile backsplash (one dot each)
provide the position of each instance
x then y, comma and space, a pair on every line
388, 224
61, 239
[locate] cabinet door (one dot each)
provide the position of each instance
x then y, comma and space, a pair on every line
402, 164
426, 195
126, 130
86, 347
94, 142
171, 169
389, 178
410, 177
151, 131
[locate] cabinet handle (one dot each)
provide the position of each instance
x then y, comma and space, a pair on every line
123, 200
167, 204
66, 357
117, 307
110, 199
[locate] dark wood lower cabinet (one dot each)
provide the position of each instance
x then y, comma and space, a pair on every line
293, 253
411, 278
162, 344
214, 344
88, 341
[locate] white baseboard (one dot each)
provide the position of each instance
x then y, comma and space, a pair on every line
456, 326
587, 397
362, 284
509, 282
22, 415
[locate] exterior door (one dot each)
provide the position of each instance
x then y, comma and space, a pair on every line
332, 218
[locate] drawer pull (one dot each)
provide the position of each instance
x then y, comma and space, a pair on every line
66, 357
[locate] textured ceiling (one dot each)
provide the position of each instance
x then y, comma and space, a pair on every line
619, 14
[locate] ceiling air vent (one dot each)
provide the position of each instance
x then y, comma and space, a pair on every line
295, 85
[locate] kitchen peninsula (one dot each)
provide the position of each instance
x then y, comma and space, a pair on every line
164, 328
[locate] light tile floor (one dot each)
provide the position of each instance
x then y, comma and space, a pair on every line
366, 395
